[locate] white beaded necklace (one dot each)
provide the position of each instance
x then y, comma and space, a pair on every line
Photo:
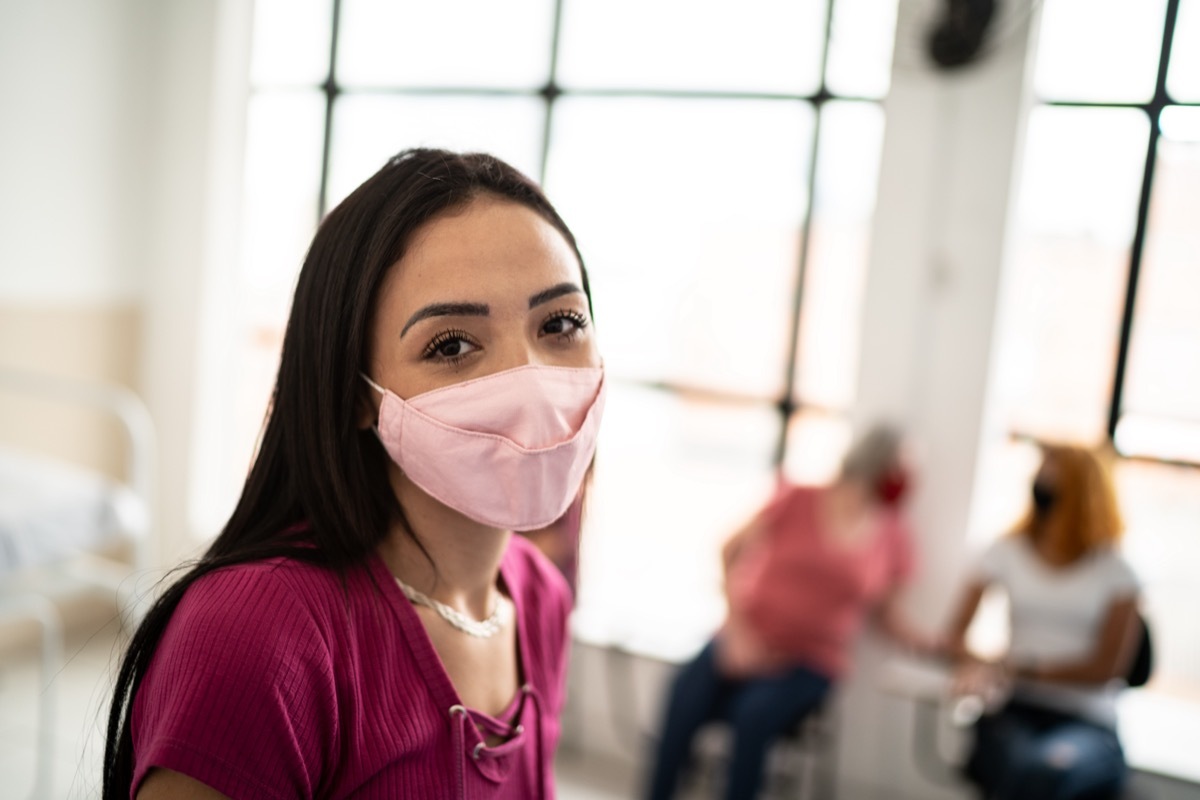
482, 629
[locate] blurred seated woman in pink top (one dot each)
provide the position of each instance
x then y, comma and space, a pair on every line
800, 578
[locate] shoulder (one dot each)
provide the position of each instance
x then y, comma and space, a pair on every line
543, 601
268, 629
1116, 572
259, 588
242, 682
896, 525
542, 596
793, 501
266, 611
896, 537
799, 494
1000, 557
534, 579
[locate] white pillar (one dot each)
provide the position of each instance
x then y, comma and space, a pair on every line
945, 190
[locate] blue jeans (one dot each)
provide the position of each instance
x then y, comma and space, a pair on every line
759, 710
1036, 754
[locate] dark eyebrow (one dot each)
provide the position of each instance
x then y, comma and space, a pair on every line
554, 291
446, 310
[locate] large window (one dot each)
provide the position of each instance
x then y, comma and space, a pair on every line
717, 162
1100, 323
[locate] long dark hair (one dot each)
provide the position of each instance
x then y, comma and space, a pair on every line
318, 489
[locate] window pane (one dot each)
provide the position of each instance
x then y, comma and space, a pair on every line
1006, 469
1163, 380
1099, 50
473, 43
816, 445
1067, 269
674, 478
860, 47
291, 42
279, 214
1183, 81
688, 213
282, 179
847, 174
1161, 505
755, 45
370, 129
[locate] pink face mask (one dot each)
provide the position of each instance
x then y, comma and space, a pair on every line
508, 450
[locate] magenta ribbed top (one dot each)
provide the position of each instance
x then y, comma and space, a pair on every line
277, 680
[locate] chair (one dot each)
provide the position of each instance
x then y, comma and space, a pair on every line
802, 764
808, 756
1142, 666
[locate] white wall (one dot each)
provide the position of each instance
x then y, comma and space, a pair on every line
73, 83
122, 119
74, 173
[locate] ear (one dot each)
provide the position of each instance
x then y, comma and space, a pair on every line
368, 408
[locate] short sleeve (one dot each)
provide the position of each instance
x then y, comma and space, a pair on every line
992, 564
790, 505
546, 606
240, 694
1122, 580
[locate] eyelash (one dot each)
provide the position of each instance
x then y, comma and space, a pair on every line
579, 320
445, 337
431, 350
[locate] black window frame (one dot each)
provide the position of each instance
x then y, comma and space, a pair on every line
788, 404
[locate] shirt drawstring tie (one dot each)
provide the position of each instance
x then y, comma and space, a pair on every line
459, 716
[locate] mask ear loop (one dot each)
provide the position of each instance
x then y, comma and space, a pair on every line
383, 392
372, 383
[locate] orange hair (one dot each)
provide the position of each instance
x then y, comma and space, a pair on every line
1085, 515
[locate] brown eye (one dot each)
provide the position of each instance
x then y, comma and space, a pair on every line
564, 323
449, 346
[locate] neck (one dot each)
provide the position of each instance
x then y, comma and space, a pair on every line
850, 498
847, 510
465, 555
1044, 544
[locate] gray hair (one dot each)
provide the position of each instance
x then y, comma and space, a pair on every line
873, 455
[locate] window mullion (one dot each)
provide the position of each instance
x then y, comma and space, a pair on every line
331, 90
1154, 110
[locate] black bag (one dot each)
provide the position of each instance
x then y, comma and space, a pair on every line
1143, 661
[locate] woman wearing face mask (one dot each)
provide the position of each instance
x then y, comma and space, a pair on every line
800, 579
367, 625
1073, 612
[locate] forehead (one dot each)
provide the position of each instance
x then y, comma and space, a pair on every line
488, 247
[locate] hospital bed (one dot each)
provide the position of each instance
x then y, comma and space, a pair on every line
66, 528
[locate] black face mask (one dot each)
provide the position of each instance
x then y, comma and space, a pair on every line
1044, 498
